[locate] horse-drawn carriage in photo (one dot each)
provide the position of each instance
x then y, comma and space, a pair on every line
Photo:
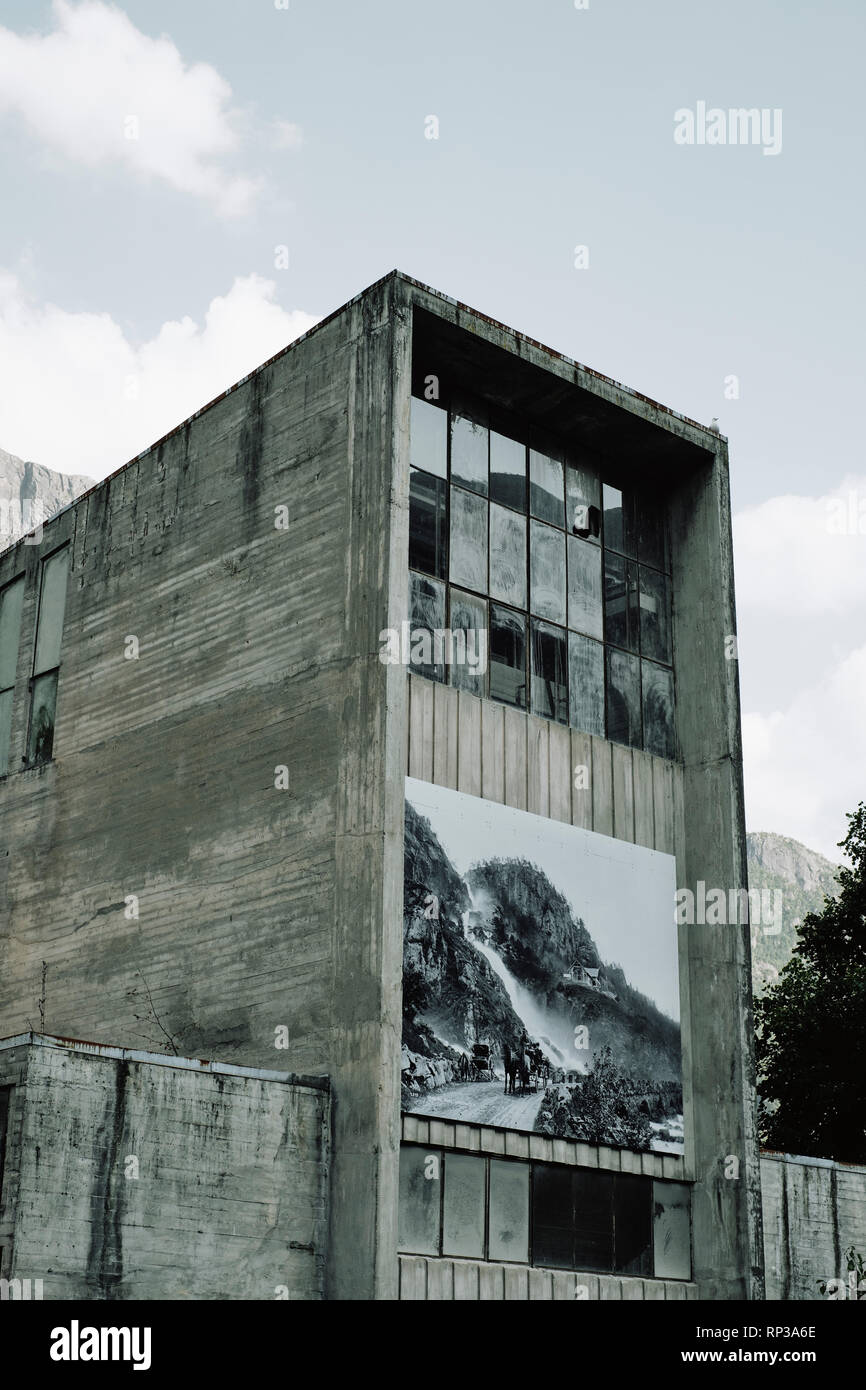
482, 1063
526, 1068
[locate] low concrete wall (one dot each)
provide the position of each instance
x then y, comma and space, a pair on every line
132, 1176
814, 1210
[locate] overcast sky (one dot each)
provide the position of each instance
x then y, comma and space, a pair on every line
624, 893
156, 157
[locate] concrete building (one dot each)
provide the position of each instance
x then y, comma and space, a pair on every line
204, 759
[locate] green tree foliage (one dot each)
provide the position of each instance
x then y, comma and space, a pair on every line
811, 1027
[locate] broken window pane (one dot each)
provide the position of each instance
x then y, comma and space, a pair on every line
507, 556
428, 437
658, 710
52, 604
655, 622
468, 565
426, 613
583, 491
469, 617
420, 1193
623, 698
469, 444
507, 656
427, 549
620, 602
671, 1231
584, 587
546, 488
547, 572
11, 602
509, 1211
507, 471
620, 529
586, 684
463, 1219
40, 740
549, 672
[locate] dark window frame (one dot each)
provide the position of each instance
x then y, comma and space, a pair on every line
495, 421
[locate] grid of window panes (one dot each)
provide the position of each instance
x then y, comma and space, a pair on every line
466, 1206
569, 576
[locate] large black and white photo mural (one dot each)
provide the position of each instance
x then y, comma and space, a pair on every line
540, 976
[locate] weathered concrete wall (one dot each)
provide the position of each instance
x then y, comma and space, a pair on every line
255, 908
814, 1211
147, 1180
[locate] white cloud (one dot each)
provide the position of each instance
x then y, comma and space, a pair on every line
804, 556
800, 565
804, 763
287, 136
97, 90
79, 397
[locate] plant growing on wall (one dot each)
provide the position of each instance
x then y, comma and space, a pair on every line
811, 1027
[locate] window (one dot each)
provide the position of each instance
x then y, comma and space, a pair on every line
573, 575
507, 656
472, 1207
11, 604
46, 660
549, 672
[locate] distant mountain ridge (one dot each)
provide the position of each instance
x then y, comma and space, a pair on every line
804, 878
30, 494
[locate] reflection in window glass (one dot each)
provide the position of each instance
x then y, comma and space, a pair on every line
507, 471
507, 656
469, 616
623, 698
507, 556
469, 453
655, 622
468, 540
420, 1191
428, 437
586, 684
11, 603
619, 521
509, 1211
549, 672
652, 545
593, 1224
620, 602
546, 488
465, 1197
426, 613
583, 490
427, 549
632, 1225
547, 572
658, 710
671, 1233
40, 740
584, 587
52, 606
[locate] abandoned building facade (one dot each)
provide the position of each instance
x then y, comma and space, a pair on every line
204, 745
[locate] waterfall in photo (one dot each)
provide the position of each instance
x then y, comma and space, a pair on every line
536, 1022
